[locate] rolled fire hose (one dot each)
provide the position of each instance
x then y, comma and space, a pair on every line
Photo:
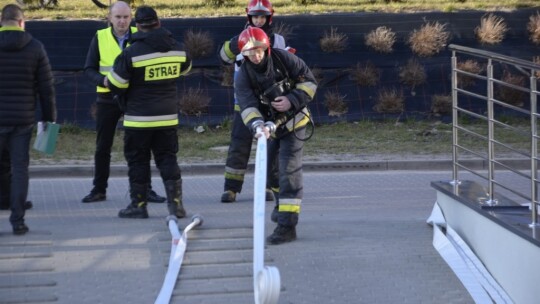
266, 279
178, 248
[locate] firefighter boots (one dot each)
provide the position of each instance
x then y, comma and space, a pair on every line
137, 208
173, 189
228, 197
282, 234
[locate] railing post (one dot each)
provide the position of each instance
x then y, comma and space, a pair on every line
534, 150
455, 122
491, 147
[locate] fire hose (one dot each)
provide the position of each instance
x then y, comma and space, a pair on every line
266, 279
178, 248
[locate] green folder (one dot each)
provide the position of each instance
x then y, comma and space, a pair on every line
46, 139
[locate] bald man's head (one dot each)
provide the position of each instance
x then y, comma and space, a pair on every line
120, 17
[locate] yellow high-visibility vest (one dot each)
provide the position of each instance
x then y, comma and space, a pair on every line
108, 51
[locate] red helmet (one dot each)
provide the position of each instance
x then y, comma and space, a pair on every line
252, 38
260, 8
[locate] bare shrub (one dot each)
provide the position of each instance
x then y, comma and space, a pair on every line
381, 39
536, 59
389, 100
333, 42
193, 102
441, 104
510, 95
317, 73
412, 73
534, 28
366, 74
282, 29
199, 44
470, 66
335, 103
429, 40
227, 71
491, 30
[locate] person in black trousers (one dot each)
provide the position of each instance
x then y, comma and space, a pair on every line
105, 46
5, 182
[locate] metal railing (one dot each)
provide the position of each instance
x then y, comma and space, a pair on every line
494, 65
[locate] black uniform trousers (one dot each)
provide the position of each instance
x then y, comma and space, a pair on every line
140, 144
238, 156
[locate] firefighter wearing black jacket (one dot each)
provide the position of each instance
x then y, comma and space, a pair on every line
145, 75
275, 85
259, 14
105, 46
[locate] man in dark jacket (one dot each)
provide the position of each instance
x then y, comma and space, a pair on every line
145, 75
105, 46
25, 73
275, 85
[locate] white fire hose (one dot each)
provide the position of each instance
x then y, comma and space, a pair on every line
266, 279
178, 248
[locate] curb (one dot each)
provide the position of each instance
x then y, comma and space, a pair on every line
41, 171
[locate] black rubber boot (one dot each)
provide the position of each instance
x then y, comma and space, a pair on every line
282, 234
269, 195
274, 215
153, 197
228, 197
137, 208
173, 189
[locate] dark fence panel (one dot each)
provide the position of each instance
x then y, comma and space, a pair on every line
67, 43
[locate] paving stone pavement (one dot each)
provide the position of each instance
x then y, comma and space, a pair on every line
362, 238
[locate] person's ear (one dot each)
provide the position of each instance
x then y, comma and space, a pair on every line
21, 23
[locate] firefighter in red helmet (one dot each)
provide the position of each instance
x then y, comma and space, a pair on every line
259, 14
274, 85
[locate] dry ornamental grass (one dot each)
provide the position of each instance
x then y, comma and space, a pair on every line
510, 95
333, 42
381, 39
470, 66
536, 59
283, 29
389, 100
441, 104
227, 71
534, 28
429, 40
199, 44
193, 102
335, 103
366, 74
491, 30
412, 73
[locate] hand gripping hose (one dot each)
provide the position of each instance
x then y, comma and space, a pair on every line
266, 279
178, 248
